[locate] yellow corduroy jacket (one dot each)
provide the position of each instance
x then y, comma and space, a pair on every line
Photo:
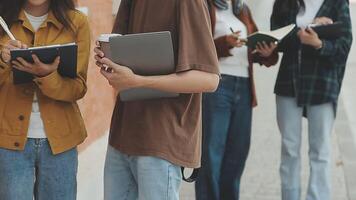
57, 95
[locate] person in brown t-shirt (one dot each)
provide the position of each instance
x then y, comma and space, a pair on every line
151, 139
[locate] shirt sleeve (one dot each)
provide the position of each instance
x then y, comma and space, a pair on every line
196, 50
340, 48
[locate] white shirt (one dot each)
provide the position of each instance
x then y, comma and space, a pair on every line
36, 128
237, 64
307, 16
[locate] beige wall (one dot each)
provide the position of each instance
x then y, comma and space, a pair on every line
98, 103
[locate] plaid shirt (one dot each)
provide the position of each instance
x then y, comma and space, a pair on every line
314, 76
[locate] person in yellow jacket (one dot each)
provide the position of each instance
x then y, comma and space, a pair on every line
40, 122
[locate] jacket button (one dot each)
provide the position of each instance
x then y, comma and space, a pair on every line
21, 117
17, 144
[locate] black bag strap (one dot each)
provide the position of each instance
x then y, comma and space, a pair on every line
193, 177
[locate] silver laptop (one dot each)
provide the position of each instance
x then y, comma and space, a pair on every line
146, 54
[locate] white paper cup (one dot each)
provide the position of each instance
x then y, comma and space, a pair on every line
104, 43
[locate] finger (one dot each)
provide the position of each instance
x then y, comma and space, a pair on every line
36, 60
97, 58
109, 63
97, 43
19, 66
24, 62
99, 64
259, 46
265, 45
311, 31
6, 51
15, 43
106, 74
23, 46
99, 52
17, 63
57, 61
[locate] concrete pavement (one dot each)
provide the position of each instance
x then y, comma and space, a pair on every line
261, 178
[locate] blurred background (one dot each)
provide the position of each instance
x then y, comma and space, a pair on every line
261, 179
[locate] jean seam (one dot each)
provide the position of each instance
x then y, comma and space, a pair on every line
169, 182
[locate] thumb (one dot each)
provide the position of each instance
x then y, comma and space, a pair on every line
111, 64
57, 61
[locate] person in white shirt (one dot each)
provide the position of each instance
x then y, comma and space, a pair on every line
227, 113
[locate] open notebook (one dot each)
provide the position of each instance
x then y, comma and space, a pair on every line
268, 36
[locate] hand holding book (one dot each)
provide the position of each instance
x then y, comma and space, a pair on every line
37, 68
234, 39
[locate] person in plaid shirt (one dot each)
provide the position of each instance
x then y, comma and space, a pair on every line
309, 83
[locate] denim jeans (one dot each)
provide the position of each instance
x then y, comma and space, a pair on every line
227, 116
140, 177
36, 173
320, 121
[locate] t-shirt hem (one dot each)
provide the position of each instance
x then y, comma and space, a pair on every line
158, 154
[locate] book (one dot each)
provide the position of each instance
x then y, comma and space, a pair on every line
329, 31
47, 54
268, 36
146, 54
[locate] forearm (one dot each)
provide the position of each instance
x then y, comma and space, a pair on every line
61, 88
222, 47
192, 81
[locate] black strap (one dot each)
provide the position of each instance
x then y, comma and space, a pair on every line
192, 177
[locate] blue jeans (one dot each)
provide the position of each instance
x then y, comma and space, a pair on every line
36, 173
320, 124
227, 116
140, 177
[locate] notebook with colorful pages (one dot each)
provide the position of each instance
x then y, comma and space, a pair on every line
47, 55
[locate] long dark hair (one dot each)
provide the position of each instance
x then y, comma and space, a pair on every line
283, 8
10, 10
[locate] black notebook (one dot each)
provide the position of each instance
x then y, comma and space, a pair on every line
268, 36
47, 54
330, 31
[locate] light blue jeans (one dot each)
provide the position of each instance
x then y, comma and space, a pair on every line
320, 124
140, 177
36, 173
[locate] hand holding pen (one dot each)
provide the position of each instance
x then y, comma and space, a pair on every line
11, 44
234, 39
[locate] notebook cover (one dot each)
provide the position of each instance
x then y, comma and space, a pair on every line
47, 55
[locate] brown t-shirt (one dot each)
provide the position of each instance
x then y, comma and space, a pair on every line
169, 128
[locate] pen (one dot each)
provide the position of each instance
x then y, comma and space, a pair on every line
6, 28
234, 33
232, 30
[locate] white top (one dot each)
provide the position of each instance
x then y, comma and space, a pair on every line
36, 128
307, 16
236, 65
